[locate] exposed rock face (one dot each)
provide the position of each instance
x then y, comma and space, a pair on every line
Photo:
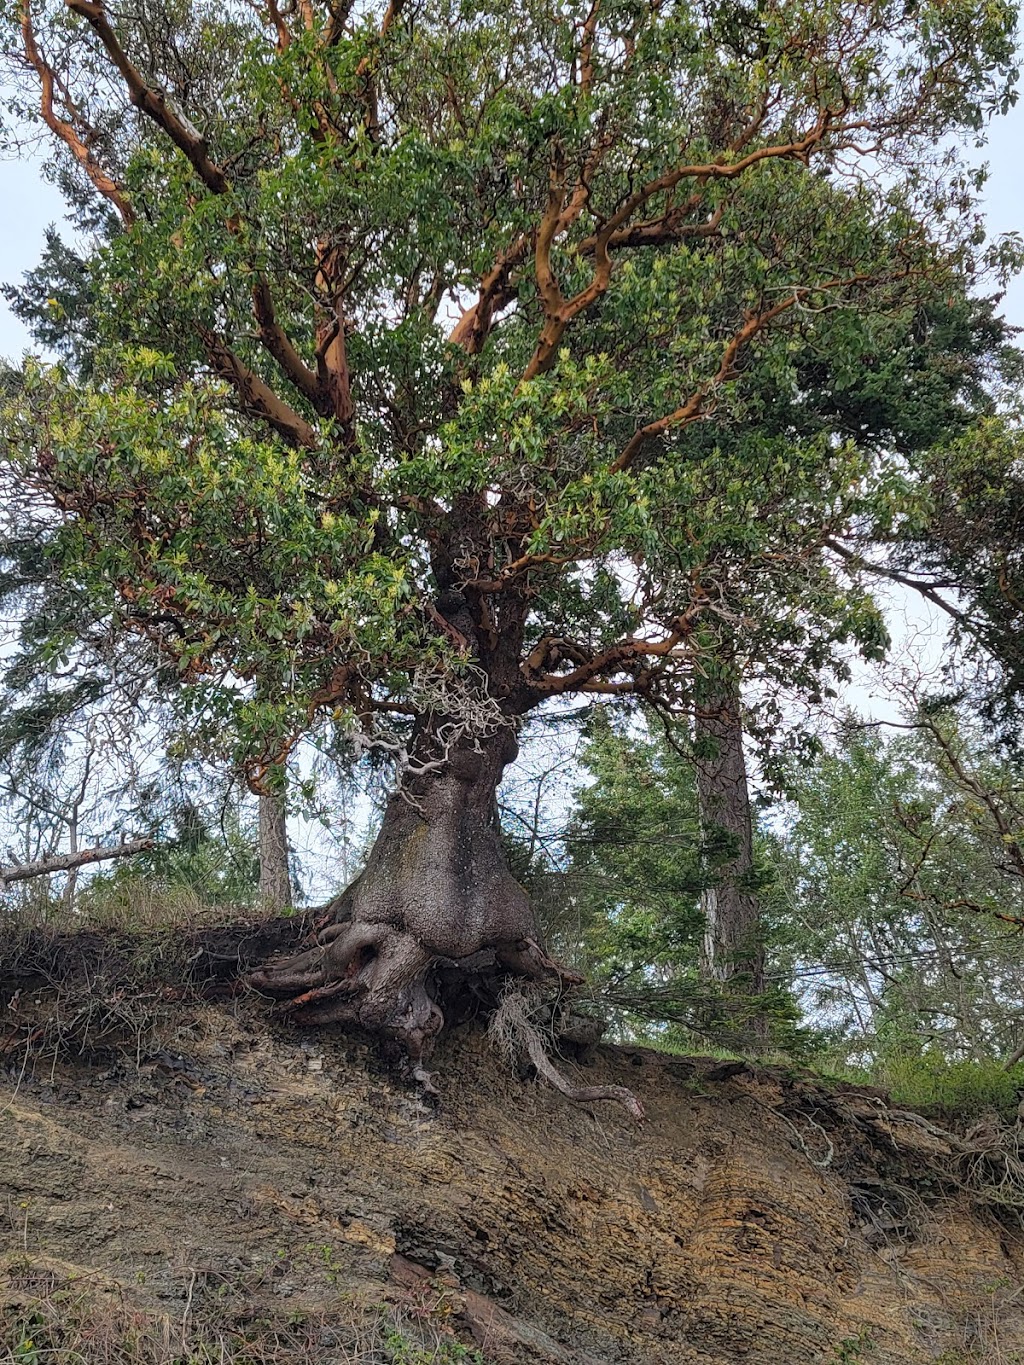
248, 1170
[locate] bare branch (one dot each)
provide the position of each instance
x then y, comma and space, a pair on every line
68, 862
927, 590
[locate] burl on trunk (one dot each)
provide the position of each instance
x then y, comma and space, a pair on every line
435, 908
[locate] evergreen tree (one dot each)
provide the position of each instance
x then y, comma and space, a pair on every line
904, 880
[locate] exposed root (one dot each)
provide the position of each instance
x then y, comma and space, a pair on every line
380, 978
528, 958
515, 1032
318, 993
424, 1079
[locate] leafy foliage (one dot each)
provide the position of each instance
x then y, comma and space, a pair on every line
905, 899
968, 539
964, 1090
623, 901
394, 336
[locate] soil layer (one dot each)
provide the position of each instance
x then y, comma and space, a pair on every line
239, 1168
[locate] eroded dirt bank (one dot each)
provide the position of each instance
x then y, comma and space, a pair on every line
248, 1173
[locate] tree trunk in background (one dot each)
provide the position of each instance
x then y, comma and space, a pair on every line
732, 954
275, 878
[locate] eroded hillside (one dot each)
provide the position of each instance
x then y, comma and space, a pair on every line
237, 1181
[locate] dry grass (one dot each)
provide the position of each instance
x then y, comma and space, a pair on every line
131, 904
104, 981
50, 1312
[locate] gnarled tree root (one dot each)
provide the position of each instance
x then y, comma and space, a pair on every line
513, 1029
377, 977
434, 925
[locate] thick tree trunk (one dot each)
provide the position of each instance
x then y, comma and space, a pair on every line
275, 878
732, 953
436, 899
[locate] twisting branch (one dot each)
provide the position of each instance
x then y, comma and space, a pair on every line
333, 393
257, 397
68, 862
496, 291
927, 590
695, 406
76, 139
153, 102
560, 312
626, 654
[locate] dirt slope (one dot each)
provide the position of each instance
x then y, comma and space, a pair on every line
248, 1174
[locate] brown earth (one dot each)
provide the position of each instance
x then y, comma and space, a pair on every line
237, 1173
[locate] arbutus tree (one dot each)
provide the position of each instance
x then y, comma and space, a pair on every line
400, 325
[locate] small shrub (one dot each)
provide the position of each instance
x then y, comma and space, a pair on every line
961, 1090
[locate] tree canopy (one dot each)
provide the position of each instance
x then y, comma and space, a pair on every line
398, 327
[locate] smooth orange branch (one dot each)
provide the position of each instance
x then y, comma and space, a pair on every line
257, 397
496, 290
153, 102
589, 38
559, 312
499, 286
73, 137
279, 345
334, 383
284, 37
694, 407
547, 285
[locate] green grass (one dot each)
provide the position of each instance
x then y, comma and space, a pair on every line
961, 1090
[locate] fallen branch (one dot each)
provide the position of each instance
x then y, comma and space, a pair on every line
67, 862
